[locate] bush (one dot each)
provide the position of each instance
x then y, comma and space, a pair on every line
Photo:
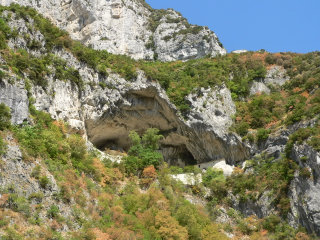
36, 196
271, 222
18, 204
213, 174
242, 128
143, 152
5, 117
47, 139
36, 172
305, 173
262, 134
53, 211
44, 182
176, 170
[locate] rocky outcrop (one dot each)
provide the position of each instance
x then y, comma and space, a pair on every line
107, 115
262, 207
174, 39
276, 76
305, 189
129, 27
276, 142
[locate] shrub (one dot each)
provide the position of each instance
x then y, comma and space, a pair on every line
11, 234
44, 181
18, 204
36, 196
36, 172
53, 211
176, 170
149, 174
5, 117
242, 128
305, 173
213, 174
143, 152
168, 227
47, 139
262, 134
271, 222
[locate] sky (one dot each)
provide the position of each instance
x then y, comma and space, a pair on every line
273, 25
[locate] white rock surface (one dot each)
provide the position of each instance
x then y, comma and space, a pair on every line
259, 87
188, 178
213, 106
226, 168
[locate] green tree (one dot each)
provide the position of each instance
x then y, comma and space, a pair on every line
143, 151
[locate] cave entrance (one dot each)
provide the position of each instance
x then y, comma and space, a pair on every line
111, 144
178, 155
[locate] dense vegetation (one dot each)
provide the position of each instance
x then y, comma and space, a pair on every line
298, 100
158, 213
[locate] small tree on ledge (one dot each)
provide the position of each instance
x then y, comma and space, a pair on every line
143, 152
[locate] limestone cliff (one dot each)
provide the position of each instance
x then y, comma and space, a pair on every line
129, 27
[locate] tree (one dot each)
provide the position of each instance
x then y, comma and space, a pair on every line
149, 174
168, 227
143, 152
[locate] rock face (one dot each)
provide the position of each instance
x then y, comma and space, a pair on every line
15, 96
261, 208
276, 76
305, 190
107, 116
129, 27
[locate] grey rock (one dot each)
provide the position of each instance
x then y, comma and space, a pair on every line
259, 87
261, 207
304, 192
15, 96
276, 76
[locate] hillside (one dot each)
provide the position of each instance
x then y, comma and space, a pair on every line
93, 144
